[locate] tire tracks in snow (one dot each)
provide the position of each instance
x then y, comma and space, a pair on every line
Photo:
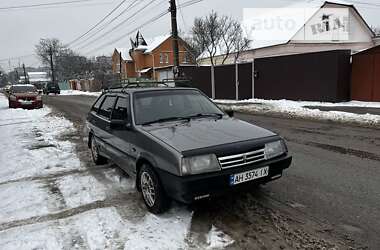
106, 203
58, 174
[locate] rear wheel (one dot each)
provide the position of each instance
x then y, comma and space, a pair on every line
152, 191
96, 157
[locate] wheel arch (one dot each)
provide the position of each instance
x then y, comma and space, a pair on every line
141, 160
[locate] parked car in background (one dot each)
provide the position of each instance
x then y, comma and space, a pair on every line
24, 96
51, 87
179, 145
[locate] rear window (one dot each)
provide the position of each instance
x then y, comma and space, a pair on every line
107, 106
23, 89
97, 103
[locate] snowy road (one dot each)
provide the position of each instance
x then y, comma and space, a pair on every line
53, 197
330, 193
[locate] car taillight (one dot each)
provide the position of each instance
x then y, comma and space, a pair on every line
13, 98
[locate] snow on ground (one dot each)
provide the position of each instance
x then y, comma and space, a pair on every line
217, 239
78, 92
50, 201
29, 145
22, 200
297, 104
297, 109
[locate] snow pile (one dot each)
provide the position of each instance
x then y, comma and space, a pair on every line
29, 145
167, 231
290, 103
217, 239
78, 92
297, 110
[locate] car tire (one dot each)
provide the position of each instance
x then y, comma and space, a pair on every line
96, 157
152, 191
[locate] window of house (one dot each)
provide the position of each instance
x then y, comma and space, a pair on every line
120, 111
186, 57
107, 106
164, 58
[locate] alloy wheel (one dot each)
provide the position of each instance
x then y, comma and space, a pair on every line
147, 188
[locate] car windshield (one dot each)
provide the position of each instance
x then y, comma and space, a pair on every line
23, 89
156, 106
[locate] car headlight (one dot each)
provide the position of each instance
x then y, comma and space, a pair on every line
274, 149
39, 98
13, 98
199, 164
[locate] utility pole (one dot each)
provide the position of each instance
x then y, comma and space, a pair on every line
173, 11
25, 78
51, 64
120, 60
17, 77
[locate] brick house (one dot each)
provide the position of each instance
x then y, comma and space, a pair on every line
152, 59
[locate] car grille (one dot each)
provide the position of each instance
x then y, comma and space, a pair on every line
242, 159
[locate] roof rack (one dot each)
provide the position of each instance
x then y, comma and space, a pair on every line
126, 83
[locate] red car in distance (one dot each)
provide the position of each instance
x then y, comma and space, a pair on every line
24, 96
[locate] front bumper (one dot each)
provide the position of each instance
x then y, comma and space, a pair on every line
188, 189
32, 105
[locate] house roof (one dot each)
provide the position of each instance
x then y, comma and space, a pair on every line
124, 53
155, 42
302, 11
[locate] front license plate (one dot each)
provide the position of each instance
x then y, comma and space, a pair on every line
26, 102
248, 176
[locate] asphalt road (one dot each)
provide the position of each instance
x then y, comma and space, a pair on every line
334, 180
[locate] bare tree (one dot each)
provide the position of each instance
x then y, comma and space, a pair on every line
206, 34
45, 46
217, 36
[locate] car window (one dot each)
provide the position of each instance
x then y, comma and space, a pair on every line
107, 106
23, 89
156, 105
97, 103
120, 111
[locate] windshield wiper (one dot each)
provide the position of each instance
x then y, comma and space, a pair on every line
174, 118
200, 115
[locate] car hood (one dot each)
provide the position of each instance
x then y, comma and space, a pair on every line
203, 133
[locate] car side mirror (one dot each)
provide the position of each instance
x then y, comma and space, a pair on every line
120, 124
230, 112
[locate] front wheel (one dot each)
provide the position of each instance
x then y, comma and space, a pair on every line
152, 191
96, 157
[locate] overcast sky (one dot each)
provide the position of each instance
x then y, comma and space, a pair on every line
21, 29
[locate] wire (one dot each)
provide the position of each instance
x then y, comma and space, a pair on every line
186, 4
117, 26
16, 57
43, 4
183, 18
98, 23
130, 32
133, 4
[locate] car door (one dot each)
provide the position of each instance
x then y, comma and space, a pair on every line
104, 136
123, 135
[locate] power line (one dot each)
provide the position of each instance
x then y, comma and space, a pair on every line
186, 4
133, 4
118, 25
16, 57
130, 32
44, 4
183, 18
98, 23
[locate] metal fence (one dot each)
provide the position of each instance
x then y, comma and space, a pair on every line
320, 76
